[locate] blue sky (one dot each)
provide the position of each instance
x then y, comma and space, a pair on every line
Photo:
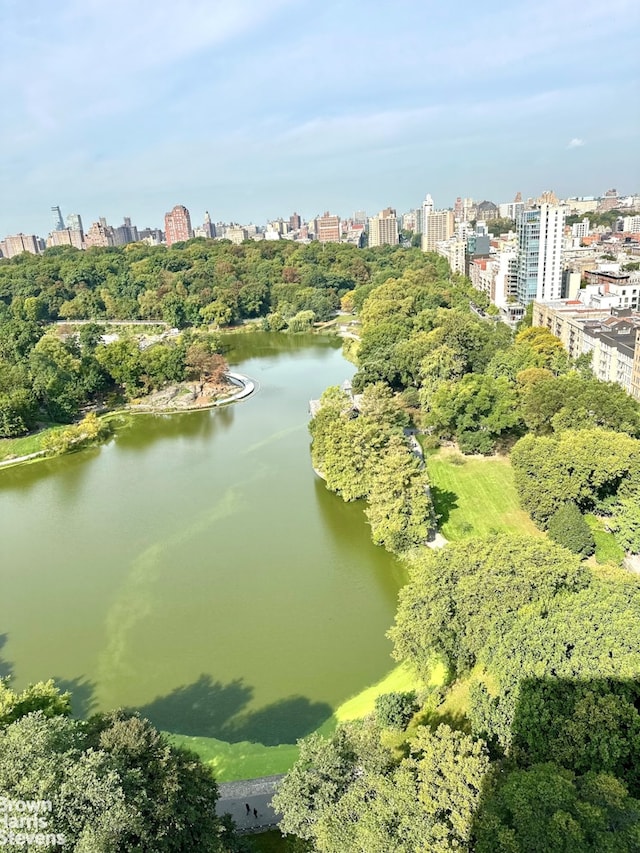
255, 108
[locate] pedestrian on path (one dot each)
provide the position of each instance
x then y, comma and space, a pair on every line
248, 808
255, 813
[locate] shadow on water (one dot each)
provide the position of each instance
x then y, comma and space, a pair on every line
208, 708
563, 732
443, 502
82, 695
6, 668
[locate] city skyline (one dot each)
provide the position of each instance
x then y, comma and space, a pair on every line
252, 109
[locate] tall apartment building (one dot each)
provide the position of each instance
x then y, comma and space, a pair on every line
177, 225
236, 234
383, 228
16, 244
580, 229
439, 225
540, 233
455, 251
611, 335
328, 228
126, 233
295, 222
100, 234
66, 237
427, 210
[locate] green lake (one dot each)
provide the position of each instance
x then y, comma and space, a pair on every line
195, 568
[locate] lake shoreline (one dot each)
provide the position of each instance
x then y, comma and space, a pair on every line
247, 387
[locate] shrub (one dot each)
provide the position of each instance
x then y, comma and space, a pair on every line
394, 710
568, 527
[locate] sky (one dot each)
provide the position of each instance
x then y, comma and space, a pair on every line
253, 109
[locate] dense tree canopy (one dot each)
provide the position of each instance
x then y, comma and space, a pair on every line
583, 466
459, 595
115, 783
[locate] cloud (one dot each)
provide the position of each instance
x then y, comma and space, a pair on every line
576, 143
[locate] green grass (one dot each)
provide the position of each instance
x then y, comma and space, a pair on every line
271, 842
233, 761
476, 496
607, 549
14, 447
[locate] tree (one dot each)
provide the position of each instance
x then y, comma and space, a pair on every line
42, 697
552, 404
476, 409
625, 524
554, 656
207, 366
123, 362
399, 508
583, 466
394, 710
548, 809
459, 596
18, 411
348, 793
115, 783
568, 527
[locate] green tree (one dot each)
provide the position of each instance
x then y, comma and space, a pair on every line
394, 710
459, 596
568, 527
583, 466
625, 524
399, 508
548, 809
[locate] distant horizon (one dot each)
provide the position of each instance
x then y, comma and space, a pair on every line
196, 221
249, 110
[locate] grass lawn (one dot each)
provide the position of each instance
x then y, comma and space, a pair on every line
607, 549
271, 842
476, 496
13, 447
233, 761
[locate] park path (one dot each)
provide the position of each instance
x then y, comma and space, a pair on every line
256, 793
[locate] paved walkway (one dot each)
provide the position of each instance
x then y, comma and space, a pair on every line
256, 793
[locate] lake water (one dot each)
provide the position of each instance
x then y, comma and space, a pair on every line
196, 569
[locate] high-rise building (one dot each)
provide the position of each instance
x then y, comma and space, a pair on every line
208, 227
74, 222
427, 209
66, 237
539, 234
328, 228
16, 244
439, 225
295, 222
177, 225
383, 228
458, 209
100, 234
126, 233
56, 218
360, 217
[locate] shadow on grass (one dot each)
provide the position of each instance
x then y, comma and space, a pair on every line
208, 708
443, 501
